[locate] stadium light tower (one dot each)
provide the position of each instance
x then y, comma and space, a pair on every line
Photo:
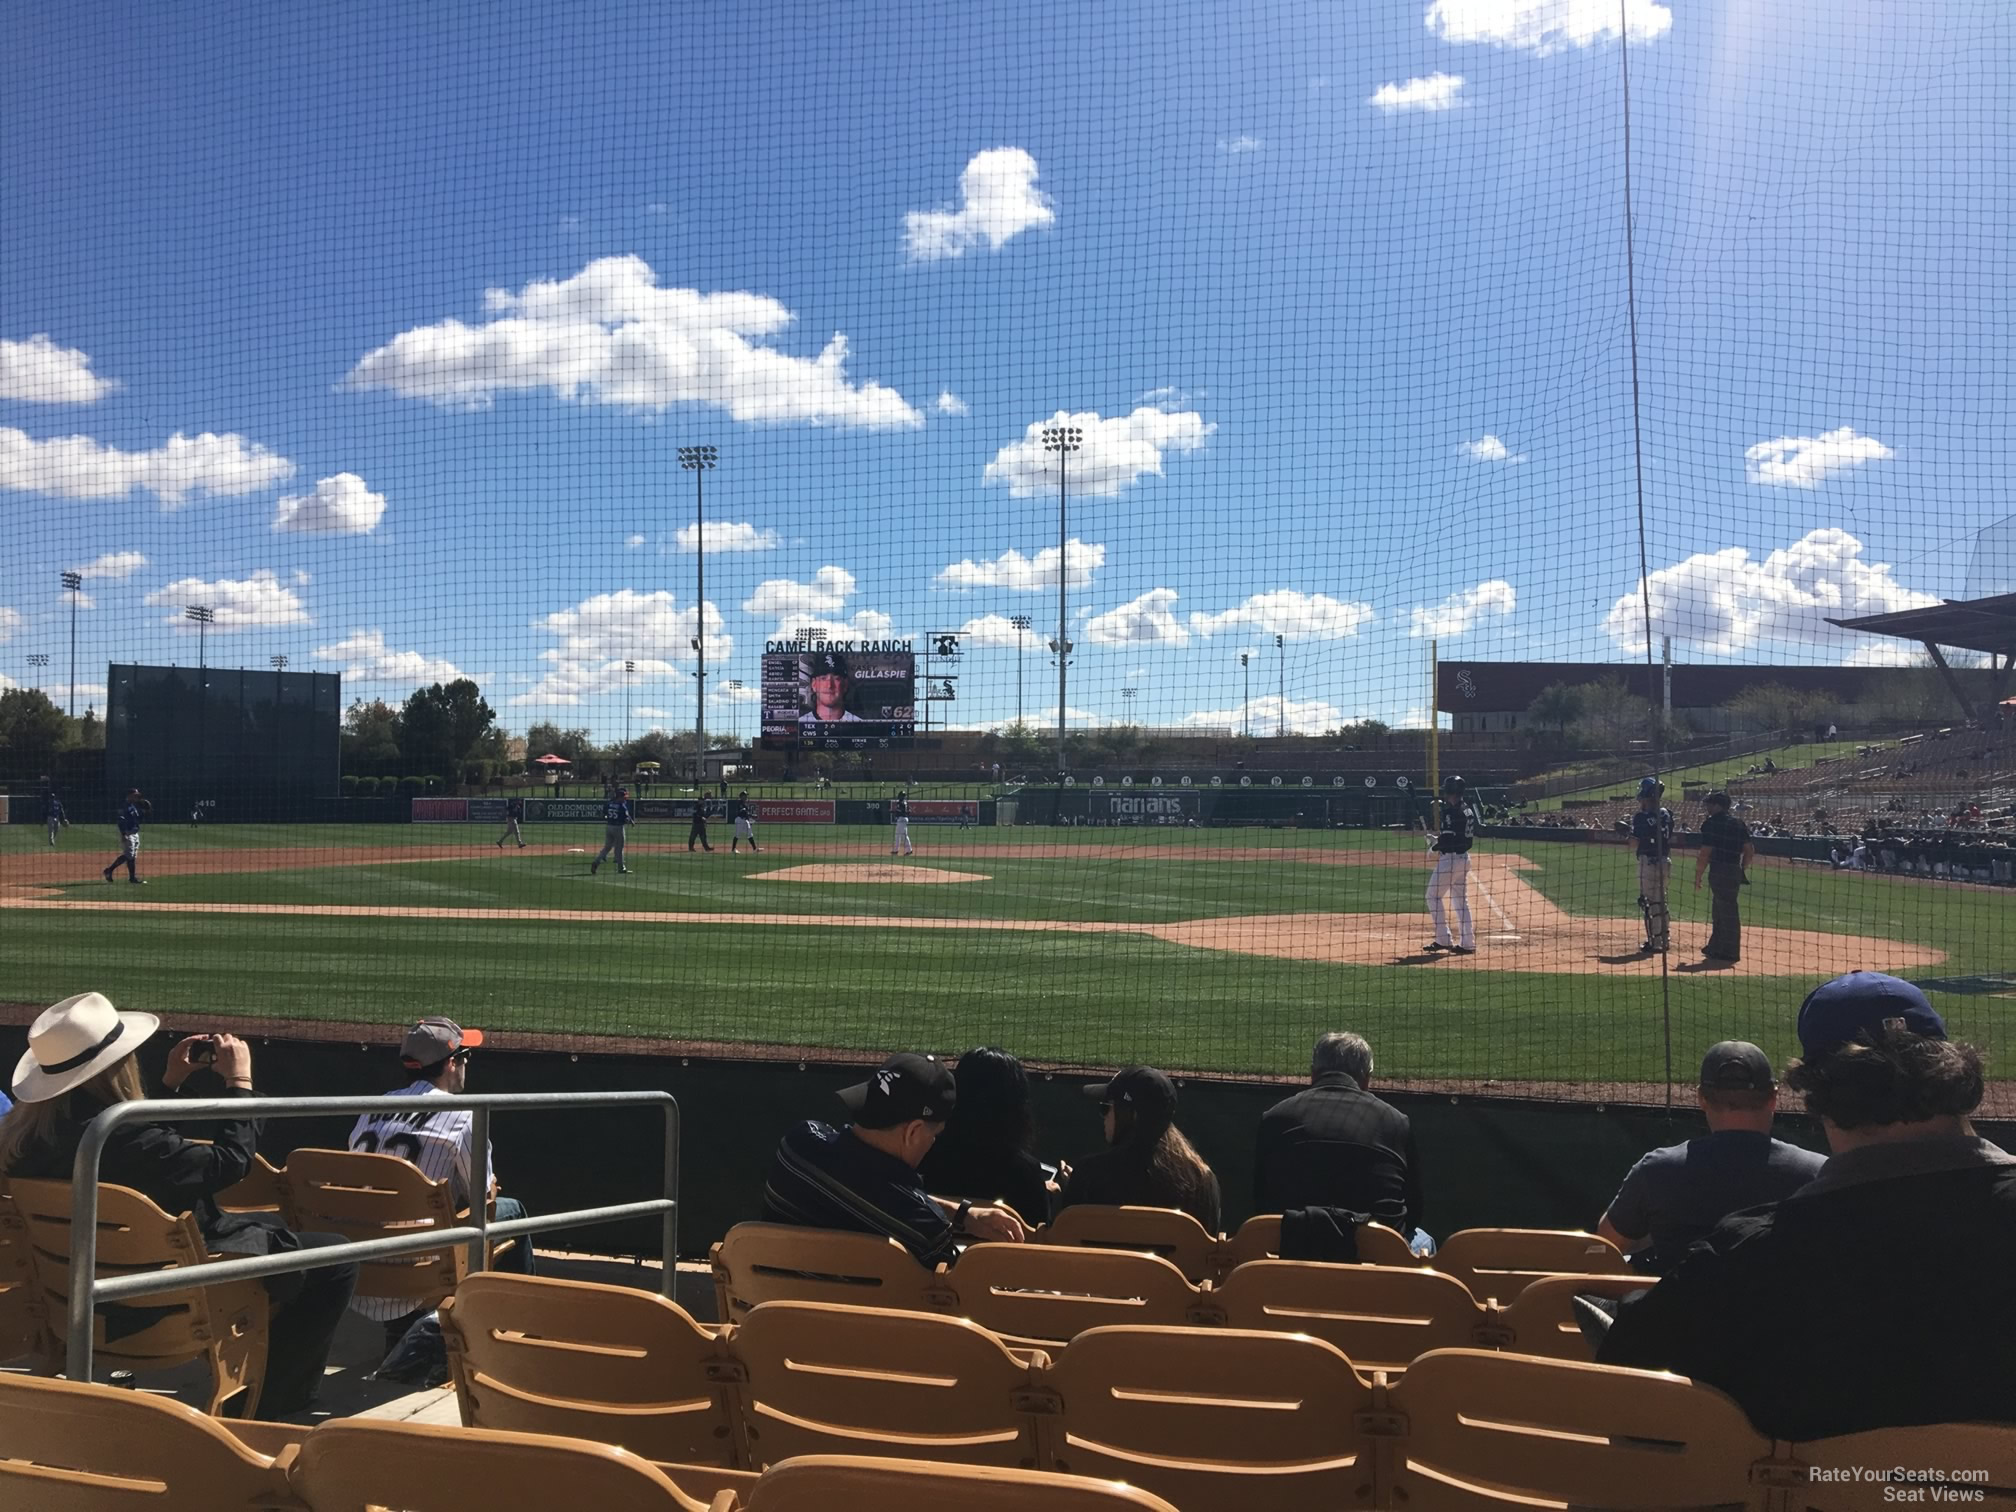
1063, 440
734, 685
1245, 665
73, 584
629, 670
699, 460
1281, 651
205, 617
279, 661
1021, 622
38, 658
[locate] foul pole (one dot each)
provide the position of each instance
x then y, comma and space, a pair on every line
1434, 742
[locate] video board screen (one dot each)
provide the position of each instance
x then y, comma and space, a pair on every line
834, 695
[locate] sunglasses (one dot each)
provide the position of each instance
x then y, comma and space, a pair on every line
462, 1057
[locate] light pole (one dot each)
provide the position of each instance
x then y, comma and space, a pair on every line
1245, 665
205, 617
698, 460
734, 685
1063, 440
629, 667
1281, 724
38, 658
279, 662
1021, 622
1128, 694
73, 584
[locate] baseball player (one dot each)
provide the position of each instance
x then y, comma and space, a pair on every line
615, 820
698, 831
136, 808
53, 815
899, 835
514, 814
1451, 877
1651, 832
745, 824
826, 680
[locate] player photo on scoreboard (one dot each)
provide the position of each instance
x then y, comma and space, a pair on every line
835, 692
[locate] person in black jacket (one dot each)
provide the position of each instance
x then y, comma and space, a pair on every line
80, 1062
986, 1150
1147, 1162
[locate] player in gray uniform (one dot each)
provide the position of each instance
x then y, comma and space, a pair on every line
1651, 832
52, 812
899, 835
615, 820
514, 813
744, 823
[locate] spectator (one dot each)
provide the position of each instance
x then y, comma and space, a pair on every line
862, 1177
1676, 1195
440, 1141
80, 1062
986, 1149
1878, 1296
1147, 1161
1336, 1145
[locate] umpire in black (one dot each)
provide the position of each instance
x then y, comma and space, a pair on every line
1725, 854
697, 833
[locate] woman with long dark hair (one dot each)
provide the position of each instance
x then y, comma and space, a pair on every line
1147, 1162
987, 1150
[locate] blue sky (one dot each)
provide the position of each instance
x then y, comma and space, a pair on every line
432, 294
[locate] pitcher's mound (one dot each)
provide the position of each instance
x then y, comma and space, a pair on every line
870, 872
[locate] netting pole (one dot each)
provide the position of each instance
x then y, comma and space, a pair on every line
1434, 742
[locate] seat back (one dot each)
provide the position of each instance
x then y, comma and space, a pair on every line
1259, 1238
532, 1354
367, 1196
1215, 1420
1489, 1430
21, 1321
1497, 1264
359, 1464
1049, 1292
1541, 1319
1381, 1317
1827, 1478
258, 1191
225, 1324
1168, 1232
825, 1379
776, 1262
70, 1447
832, 1483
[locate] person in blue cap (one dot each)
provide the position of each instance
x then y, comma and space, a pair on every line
1878, 1294
1651, 832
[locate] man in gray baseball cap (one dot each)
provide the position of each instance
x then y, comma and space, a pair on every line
1677, 1194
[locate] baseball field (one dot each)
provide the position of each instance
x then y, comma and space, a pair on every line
1204, 950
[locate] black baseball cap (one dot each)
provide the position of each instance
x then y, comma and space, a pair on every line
1716, 799
825, 664
1736, 1066
1142, 1088
1835, 1012
906, 1087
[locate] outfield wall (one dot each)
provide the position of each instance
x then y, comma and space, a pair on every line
792, 811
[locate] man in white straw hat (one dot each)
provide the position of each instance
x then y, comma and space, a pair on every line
79, 1062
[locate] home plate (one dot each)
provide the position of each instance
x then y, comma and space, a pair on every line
868, 872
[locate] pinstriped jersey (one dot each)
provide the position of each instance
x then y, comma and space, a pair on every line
432, 1132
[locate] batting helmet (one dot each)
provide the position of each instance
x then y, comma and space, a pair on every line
1452, 784
1651, 787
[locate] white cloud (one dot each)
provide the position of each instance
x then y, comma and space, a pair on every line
998, 631
1287, 612
631, 543
998, 199
645, 711
1031, 574
1725, 602
1546, 26
611, 335
721, 693
340, 505
367, 659
1303, 716
1112, 453
725, 535
41, 372
78, 467
240, 603
1233, 146
1149, 620
1809, 461
1458, 614
602, 632
1888, 653
950, 403
1436, 91
1043, 720
10, 621
114, 564
1488, 448
819, 606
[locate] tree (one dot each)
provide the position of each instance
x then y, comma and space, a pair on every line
91, 731
370, 735
1558, 705
1022, 747
1613, 716
1774, 706
1360, 732
548, 739
31, 727
441, 725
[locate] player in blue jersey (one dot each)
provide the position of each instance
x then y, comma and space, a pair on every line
1651, 834
615, 821
53, 815
135, 809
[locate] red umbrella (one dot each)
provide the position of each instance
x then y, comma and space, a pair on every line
553, 761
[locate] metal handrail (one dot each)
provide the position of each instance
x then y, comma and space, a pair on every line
86, 1290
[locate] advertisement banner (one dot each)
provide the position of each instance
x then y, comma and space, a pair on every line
440, 810
564, 808
944, 810
490, 810
1142, 808
792, 810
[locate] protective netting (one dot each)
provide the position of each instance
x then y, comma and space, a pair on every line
1369, 394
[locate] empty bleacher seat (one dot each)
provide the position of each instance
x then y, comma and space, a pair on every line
776, 1262
1541, 1319
1168, 1232
1044, 1292
1496, 1264
360, 1195
1382, 1317
842, 1484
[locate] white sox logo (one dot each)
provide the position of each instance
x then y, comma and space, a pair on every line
1466, 685
885, 1082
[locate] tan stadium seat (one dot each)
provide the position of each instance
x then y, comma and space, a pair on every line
360, 1464
1168, 1232
1822, 1478
1382, 1317
1485, 1431
1380, 1245
223, 1324
1541, 1319
257, 1191
532, 1354
776, 1262
21, 1322
70, 1447
832, 1483
1496, 1264
367, 1196
1214, 1420
825, 1379
1042, 1292
1259, 1238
